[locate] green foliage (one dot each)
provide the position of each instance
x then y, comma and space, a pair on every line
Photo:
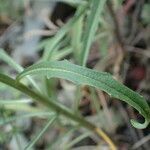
6, 58
101, 80
52, 43
28, 115
92, 23
37, 137
72, 41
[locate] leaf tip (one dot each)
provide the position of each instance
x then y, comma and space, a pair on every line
139, 125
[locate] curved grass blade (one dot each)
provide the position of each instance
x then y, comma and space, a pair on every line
101, 80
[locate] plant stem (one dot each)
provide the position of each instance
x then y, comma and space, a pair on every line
58, 108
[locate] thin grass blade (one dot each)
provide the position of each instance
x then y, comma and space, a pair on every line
97, 7
40, 134
6, 58
28, 115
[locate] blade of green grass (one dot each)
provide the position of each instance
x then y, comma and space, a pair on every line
40, 134
6, 58
28, 115
63, 138
76, 37
97, 7
77, 100
15, 101
77, 140
62, 53
104, 81
21, 107
94, 100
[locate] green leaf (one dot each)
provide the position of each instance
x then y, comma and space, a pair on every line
7, 59
76, 37
77, 140
53, 105
15, 102
40, 134
92, 24
62, 53
52, 43
27, 115
101, 80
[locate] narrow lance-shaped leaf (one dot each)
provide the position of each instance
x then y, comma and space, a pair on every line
40, 134
27, 115
101, 80
92, 23
7, 59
